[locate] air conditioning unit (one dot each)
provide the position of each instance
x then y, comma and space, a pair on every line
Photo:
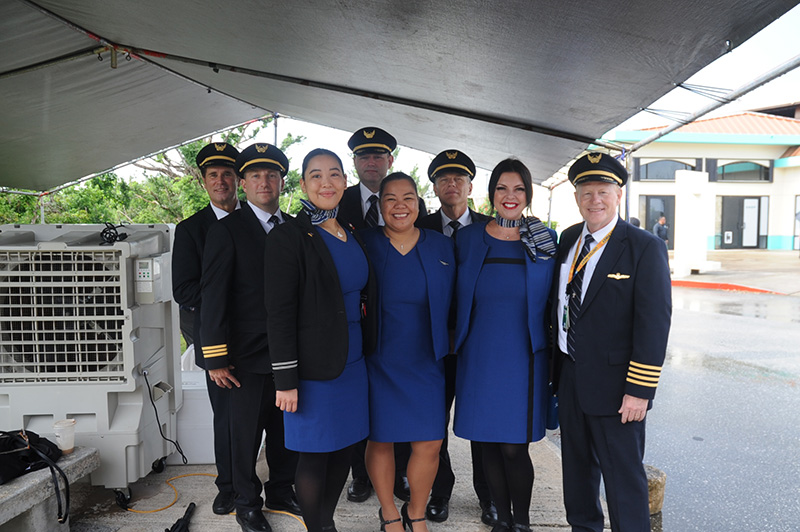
89, 331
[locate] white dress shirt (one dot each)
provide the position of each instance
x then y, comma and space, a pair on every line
563, 276
365, 195
264, 216
221, 213
465, 219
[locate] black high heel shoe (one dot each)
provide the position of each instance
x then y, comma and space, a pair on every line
407, 521
384, 523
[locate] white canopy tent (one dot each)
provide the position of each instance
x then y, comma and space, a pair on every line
537, 80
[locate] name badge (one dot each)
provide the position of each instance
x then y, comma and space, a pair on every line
565, 319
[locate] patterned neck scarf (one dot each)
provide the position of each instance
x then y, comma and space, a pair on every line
316, 214
533, 234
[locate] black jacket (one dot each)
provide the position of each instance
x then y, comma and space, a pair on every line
233, 317
187, 266
307, 323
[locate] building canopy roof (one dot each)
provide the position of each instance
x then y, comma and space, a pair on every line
539, 80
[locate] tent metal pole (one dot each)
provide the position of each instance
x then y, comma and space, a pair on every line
776, 72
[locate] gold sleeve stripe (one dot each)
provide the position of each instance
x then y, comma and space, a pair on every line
215, 349
214, 355
643, 372
640, 383
642, 377
645, 366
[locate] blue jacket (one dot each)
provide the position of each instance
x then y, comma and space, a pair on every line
439, 264
471, 252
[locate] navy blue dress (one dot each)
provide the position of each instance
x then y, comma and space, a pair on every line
493, 379
406, 382
333, 414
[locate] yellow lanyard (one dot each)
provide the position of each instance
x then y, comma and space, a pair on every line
572, 270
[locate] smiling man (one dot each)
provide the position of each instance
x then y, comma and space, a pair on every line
234, 334
216, 162
610, 327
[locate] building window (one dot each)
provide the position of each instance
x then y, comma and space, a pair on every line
742, 171
662, 170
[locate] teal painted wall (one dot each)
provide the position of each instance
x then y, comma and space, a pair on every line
779, 242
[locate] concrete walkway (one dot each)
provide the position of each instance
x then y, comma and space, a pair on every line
95, 510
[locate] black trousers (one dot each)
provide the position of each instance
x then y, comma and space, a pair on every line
220, 406
592, 446
445, 479
253, 412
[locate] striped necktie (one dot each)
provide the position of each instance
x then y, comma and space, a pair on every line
574, 295
372, 213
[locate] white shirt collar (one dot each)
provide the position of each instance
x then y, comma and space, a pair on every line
220, 213
365, 195
264, 216
601, 233
465, 219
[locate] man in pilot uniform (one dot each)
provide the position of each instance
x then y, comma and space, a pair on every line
216, 162
234, 336
610, 326
452, 172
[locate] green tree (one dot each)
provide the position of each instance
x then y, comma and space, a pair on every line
18, 208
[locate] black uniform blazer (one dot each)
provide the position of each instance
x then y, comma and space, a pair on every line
187, 266
233, 317
350, 212
622, 329
434, 221
307, 320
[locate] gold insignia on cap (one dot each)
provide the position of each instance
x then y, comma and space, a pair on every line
219, 147
369, 134
618, 276
261, 148
594, 158
451, 154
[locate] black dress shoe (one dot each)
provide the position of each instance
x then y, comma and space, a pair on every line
359, 490
401, 489
488, 513
223, 503
253, 521
287, 503
438, 509
519, 527
500, 526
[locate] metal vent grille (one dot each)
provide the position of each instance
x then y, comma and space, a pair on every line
61, 317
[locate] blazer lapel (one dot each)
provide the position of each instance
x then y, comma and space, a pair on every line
312, 233
616, 245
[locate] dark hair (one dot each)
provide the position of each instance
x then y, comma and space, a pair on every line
315, 153
515, 166
397, 176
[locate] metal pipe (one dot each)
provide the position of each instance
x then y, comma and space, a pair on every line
776, 72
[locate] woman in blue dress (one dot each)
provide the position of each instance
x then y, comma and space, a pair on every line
415, 269
321, 322
505, 267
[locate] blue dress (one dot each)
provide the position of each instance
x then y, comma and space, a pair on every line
494, 373
406, 382
334, 414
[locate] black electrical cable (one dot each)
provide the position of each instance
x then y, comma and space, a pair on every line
153, 402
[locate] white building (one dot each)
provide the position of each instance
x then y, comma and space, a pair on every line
737, 183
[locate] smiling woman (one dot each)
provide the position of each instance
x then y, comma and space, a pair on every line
321, 290
415, 269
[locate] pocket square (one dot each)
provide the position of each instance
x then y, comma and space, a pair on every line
618, 276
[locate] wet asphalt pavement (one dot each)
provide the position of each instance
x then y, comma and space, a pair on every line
726, 423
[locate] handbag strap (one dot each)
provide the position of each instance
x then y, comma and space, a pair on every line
63, 512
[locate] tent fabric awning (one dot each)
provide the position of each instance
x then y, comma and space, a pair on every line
473, 75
